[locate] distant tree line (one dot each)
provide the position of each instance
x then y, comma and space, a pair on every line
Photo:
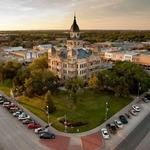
28, 39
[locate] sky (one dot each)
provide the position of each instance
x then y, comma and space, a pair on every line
58, 14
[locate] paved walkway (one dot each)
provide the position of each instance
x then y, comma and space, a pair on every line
92, 140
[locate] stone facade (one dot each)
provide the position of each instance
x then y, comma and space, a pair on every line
73, 60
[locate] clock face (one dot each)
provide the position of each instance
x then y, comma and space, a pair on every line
75, 35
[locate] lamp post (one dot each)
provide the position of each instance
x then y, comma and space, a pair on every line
65, 123
48, 115
106, 110
139, 88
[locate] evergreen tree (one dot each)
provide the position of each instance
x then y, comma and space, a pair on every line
49, 102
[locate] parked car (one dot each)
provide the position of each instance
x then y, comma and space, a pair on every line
136, 108
23, 116
47, 135
5, 104
147, 96
41, 129
118, 124
12, 105
105, 133
146, 100
2, 101
123, 119
27, 121
133, 112
17, 113
33, 125
112, 128
13, 109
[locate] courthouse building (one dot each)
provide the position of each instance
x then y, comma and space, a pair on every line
73, 60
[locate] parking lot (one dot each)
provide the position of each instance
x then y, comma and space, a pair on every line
15, 136
123, 134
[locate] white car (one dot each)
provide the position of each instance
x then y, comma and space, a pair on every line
133, 112
6, 103
23, 116
17, 113
118, 123
136, 108
2, 101
105, 133
38, 130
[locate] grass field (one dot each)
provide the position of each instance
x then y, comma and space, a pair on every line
90, 107
6, 86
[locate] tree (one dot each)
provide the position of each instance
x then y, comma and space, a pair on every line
42, 79
93, 81
39, 63
8, 70
49, 102
29, 91
74, 86
19, 80
124, 78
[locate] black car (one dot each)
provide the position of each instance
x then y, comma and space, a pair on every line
47, 135
147, 96
112, 128
123, 119
13, 110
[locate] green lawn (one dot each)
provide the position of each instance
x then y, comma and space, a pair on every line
6, 86
90, 107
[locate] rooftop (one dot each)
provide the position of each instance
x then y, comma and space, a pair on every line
74, 27
19, 48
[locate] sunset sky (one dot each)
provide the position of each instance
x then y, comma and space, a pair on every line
58, 14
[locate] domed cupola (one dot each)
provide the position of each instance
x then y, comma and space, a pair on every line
74, 30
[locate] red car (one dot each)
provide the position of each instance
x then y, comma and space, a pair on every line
33, 125
10, 106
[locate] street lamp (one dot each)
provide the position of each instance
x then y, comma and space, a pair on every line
139, 88
48, 114
106, 110
65, 123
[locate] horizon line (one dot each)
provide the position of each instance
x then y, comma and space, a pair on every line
80, 30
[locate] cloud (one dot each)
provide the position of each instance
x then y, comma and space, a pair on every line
89, 12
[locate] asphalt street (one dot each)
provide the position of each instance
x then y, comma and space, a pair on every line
15, 136
136, 136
